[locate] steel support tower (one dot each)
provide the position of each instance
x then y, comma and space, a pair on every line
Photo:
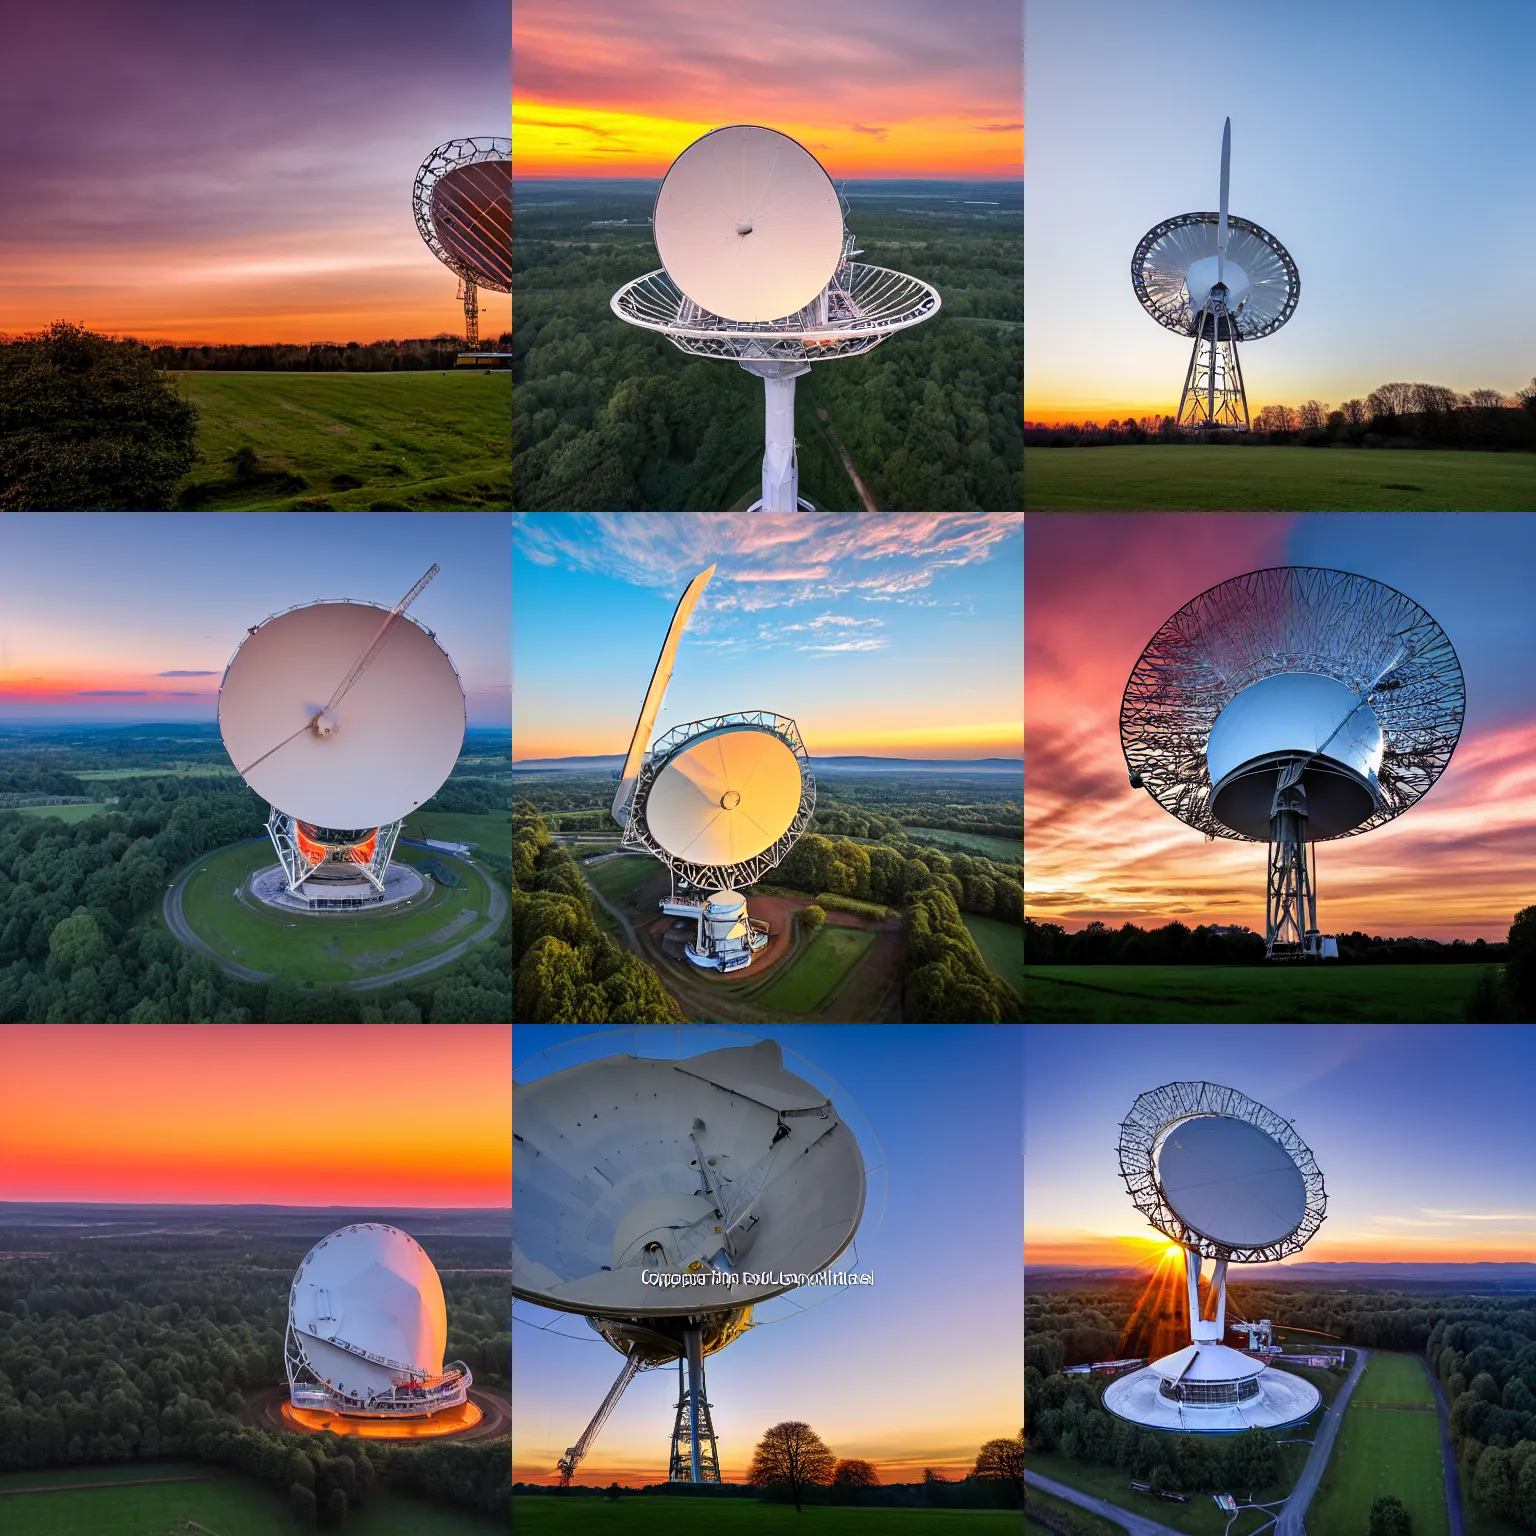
694, 1457
1213, 397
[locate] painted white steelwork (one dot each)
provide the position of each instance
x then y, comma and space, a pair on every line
1226, 1178
757, 268
1218, 279
367, 1327
1291, 706
462, 203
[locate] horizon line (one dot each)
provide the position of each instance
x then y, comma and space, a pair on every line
250, 1205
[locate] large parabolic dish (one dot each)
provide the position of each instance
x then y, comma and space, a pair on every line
1232, 1181
462, 202
719, 1160
398, 729
748, 224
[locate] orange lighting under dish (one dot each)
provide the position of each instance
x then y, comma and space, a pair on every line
451, 1421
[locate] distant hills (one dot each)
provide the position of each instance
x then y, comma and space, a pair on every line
612, 762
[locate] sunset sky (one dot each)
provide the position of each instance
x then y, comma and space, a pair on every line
880, 635
257, 1114
873, 88
119, 616
1459, 864
917, 1369
1378, 143
238, 171
1366, 1098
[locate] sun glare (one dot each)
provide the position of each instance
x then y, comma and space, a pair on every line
1172, 1251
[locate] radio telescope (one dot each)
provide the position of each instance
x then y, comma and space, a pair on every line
1226, 1179
367, 1326
341, 775
723, 1169
1292, 706
1221, 280
462, 202
719, 801
758, 269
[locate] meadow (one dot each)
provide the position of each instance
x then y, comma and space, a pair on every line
327, 949
1001, 945
1201, 477
350, 441
78, 1504
1173, 994
1384, 1449
490, 829
620, 878
1009, 850
65, 812
1083, 1521
820, 969
646, 1515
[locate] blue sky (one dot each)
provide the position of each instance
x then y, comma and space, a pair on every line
894, 635
920, 1367
1423, 1132
134, 616
1386, 146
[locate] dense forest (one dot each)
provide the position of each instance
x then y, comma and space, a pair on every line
565, 969
120, 1356
610, 416
80, 943
419, 355
1481, 1349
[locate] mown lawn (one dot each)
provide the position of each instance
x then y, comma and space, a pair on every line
1182, 994
619, 879
358, 440
66, 812
1201, 477
822, 965
1005, 850
1393, 1378
492, 829
1001, 945
652, 1515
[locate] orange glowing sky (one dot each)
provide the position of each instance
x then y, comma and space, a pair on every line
902, 88
351, 1115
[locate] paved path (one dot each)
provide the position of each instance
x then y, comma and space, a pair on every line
1137, 1525
608, 906
176, 921
1448, 1457
1292, 1515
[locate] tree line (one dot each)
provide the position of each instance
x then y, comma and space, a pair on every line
419, 354
1396, 414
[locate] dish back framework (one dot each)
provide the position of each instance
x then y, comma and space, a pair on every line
714, 1167
462, 203
758, 269
719, 801
1225, 1178
1292, 705
1218, 279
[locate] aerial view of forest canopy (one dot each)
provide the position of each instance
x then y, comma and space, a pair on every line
607, 416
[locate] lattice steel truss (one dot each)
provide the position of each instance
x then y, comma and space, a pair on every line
1158, 1112
495, 270
1166, 252
1288, 619
719, 877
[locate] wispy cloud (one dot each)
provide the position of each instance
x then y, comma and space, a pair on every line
847, 645
110, 693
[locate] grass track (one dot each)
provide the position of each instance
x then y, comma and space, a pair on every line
1201, 477
1003, 849
1181, 994
1390, 1378
324, 949
230, 1506
413, 440
829, 957
640, 1516
1001, 945
1382, 1451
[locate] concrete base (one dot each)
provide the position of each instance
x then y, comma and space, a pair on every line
270, 887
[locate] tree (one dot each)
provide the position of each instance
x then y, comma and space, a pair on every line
1389, 1517
1313, 415
89, 423
811, 919
1002, 1461
853, 1473
336, 1507
1353, 412
1520, 967
793, 1454
301, 1501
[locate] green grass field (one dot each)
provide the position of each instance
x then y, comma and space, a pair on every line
1081, 1520
619, 879
490, 830
822, 965
177, 771
1382, 1450
1201, 477
1182, 994
1001, 848
653, 1515
409, 440
66, 812
1001, 945
226, 1505
316, 949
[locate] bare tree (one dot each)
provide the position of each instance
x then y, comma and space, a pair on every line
933, 1475
854, 1473
1314, 414
1433, 399
1002, 1461
795, 1454
1354, 412
1487, 399
1390, 400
